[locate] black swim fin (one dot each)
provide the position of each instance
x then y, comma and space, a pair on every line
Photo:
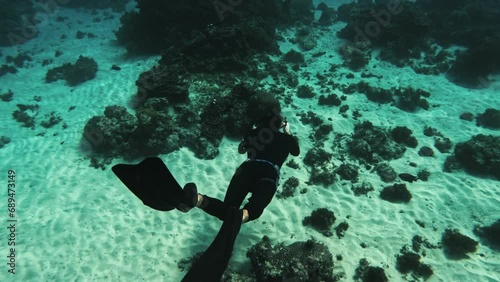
152, 182
211, 265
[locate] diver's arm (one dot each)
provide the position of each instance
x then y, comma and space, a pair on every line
294, 146
293, 140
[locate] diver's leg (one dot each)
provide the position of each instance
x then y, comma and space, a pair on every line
217, 208
245, 216
262, 195
239, 187
236, 193
212, 206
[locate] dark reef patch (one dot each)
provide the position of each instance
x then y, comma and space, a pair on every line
408, 261
480, 155
367, 273
489, 119
322, 220
490, 235
397, 193
373, 144
457, 245
83, 70
301, 261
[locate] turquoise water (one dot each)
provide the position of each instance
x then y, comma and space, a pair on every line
81, 93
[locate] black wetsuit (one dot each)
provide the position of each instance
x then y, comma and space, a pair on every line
259, 174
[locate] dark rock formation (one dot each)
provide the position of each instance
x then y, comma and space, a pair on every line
322, 175
457, 245
356, 55
480, 155
294, 57
107, 133
367, 273
5, 69
403, 135
410, 99
19, 60
300, 261
405, 31
305, 91
4, 140
417, 242
159, 24
341, 229
118, 133
401, 31
461, 22
489, 119
329, 100
293, 164
374, 94
7, 97
426, 152
362, 189
451, 164
51, 119
348, 172
467, 116
231, 276
84, 69
288, 188
317, 156
444, 144
423, 175
220, 49
472, 67
26, 114
322, 171
472, 24
408, 261
322, 132
372, 144
328, 14
311, 118
490, 235
386, 172
162, 81
430, 132
322, 220
397, 193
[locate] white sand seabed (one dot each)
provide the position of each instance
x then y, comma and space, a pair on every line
77, 223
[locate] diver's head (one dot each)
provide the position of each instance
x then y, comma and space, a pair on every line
272, 119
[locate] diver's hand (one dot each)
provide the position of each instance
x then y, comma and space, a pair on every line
242, 148
286, 128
